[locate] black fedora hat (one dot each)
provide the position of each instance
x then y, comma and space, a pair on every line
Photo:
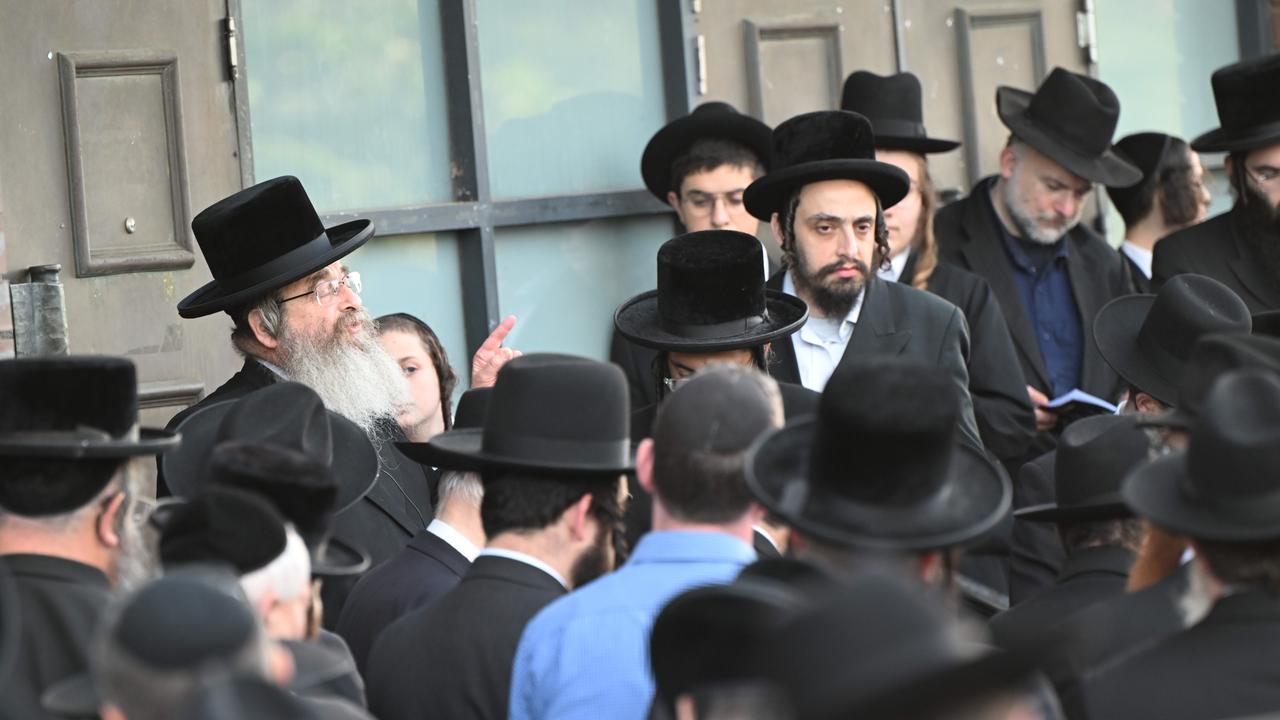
261, 239
220, 526
1147, 151
77, 407
301, 487
1094, 456
1224, 485
880, 466
1071, 118
287, 414
823, 145
1147, 339
1212, 357
1248, 107
894, 106
708, 120
711, 296
472, 407
547, 413
880, 649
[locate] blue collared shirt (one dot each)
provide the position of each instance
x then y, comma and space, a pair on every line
586, 655
1044, 284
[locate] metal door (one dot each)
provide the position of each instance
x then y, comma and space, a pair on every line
118, 123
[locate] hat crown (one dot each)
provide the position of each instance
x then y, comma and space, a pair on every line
1187, 308
1245, 93
288, 414
182, 621
222, 526
1094, 456
300, 487
895, 99
255, 226
1079, 110
1233, 452
1215, 355
710, 278
821, 136
68, 394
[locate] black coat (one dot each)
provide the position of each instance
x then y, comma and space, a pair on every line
1006, 420
898, 321
453, 658
424, 570
60, 602
1215, 248
967, 238
383, 522
636, 362
1035, 550
1090, 576
1225, 666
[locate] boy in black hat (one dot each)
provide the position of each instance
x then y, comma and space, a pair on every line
1021, 232
71, 508
1172, 195
1239, 248
700, 165
893, 105
1221, 492
825, 198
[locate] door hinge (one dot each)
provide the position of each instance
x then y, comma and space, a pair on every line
1087, 31
702, 64
233, 49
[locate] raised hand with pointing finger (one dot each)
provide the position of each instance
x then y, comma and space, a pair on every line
491, 356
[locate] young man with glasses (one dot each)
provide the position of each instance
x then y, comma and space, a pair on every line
1239, 248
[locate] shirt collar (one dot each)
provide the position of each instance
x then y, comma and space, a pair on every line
668, 546
897, 264
273, 368
1139, 255
789, 288
455, 539
527, 560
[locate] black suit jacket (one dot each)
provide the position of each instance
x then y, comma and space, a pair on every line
1006, 420
1035, 550
898, 321
426, 569
1225, 666
397, 507
1089, 576
968, 238
59, 602
1215, 248
1139, 280
636, 362
453, 658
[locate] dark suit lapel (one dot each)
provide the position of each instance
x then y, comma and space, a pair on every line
984, 254
782, 366
1251, 274
1088, 286
388, 499
876, 334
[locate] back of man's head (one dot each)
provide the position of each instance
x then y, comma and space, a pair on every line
700, 439
280, 592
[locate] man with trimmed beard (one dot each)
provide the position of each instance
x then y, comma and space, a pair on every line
71, 509
278, 272
1020, 230
1239, 248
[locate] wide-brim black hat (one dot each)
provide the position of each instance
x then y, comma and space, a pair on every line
824, 145
1147, 339
708, 120
895, 107
185, 469
1089, 466
639, 321
261, 239
472, 408
1248, 107
975, 498
1070, 119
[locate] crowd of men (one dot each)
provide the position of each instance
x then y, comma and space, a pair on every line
958, 462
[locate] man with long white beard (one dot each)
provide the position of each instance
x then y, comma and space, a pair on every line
1020, 230
278, 272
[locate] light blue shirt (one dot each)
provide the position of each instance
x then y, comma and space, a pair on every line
586, 655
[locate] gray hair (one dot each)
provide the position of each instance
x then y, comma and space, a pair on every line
461, 486
272, 312
286, 578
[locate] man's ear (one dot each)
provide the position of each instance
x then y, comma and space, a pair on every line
930, 566
776, 226
109, 521
644, 465
1008, 161
1148, 405
577, 515
259, 328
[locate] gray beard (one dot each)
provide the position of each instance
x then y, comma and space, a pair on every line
137, 559
1027, 226
352, 374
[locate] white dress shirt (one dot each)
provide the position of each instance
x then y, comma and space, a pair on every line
1140, 256
527, 560
455, 539
820, 343
897, 264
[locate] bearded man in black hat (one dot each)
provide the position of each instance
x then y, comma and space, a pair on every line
825, 198
71, 508
700, 165
1239, 248
1021, 232
1000, 405
1221, 492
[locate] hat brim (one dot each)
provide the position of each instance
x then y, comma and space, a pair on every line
339, 559
1105, 508
1115, 330
464, 450
638, 320
767, 195
1173, 419
674, 139
1154, 492
53, 445
355, 462
71, 697
921, 144
1109, 168
212, 297
777, 474
1223, 140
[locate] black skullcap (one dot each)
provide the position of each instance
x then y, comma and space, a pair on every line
182, 621
721, 410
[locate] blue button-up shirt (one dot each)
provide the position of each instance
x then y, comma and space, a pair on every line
586, 655
1044, 283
